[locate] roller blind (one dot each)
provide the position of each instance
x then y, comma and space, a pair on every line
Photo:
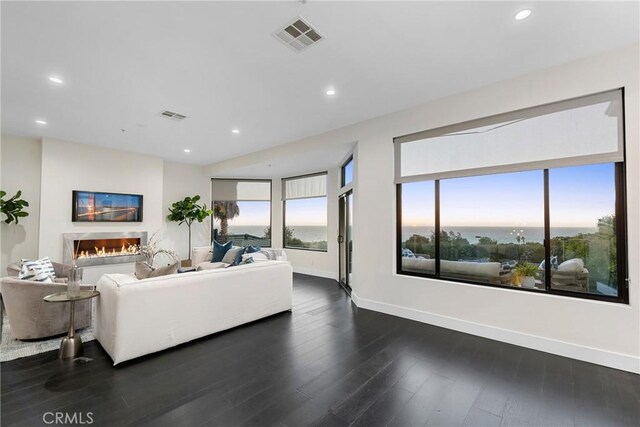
239, 190
305, 187
575, 132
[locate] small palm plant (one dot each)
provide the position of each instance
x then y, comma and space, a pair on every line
13, 207
527, 272
225, 211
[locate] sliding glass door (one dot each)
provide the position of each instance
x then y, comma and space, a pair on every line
345, 239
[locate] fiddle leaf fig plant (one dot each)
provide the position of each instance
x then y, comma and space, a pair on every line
187, 211
13, 207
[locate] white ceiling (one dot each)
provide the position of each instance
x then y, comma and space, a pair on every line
218, 63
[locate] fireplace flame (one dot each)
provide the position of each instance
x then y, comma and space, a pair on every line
102, 252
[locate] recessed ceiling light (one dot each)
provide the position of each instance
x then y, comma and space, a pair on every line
186, 150
236, 131
330, 92
55, 79
41, 122
523, 14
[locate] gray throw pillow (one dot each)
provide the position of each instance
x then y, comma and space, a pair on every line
144, 270
233, 256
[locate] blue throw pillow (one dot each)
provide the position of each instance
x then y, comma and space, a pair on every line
219, 250
252, 249
246, 261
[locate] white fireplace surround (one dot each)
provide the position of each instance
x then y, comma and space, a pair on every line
68, 247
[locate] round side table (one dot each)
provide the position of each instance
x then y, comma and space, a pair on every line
71, 345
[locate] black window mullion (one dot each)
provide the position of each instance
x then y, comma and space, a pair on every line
621, 233
547, 234
437, 226
399, 228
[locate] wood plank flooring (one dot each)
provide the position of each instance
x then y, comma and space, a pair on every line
327, 363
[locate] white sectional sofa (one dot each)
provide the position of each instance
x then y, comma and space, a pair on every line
138, 317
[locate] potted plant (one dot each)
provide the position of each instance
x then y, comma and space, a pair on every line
13, 207
527, 272
185, 212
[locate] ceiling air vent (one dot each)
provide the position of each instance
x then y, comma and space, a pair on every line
299, 35
172, 115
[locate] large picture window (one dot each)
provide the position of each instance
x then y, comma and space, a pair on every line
305, 212
558, 228
242, 211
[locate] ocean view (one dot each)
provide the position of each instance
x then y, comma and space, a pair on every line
307, 233
501, 234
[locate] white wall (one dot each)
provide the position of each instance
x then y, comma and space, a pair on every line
20, 170
69, 166
179, 181
598, 332
49, 170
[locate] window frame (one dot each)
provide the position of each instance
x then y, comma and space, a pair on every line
284, 211
621, 229
270, 181
343, 172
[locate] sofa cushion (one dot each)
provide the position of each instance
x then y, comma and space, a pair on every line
251, 249
201, 254
39, 270
478, 269
574, 265
233, 256
220, 250
144, 270
425, 265
210, 265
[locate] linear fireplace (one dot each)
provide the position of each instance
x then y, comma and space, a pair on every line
103, 248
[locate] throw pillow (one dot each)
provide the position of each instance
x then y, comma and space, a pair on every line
233, 256
251, 249
220, 250
39, 270
574, 265
256, 256
244, 262
145, 271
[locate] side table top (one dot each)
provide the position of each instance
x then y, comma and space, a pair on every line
63, 297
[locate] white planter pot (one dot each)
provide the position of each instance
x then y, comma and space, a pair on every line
529, 282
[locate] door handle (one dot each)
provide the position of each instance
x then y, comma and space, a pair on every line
340, 239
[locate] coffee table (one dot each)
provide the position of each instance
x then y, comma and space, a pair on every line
71, 345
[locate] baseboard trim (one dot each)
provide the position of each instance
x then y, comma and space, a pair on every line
317, 273
610, 359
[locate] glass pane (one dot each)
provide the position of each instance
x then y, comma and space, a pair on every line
583, 235
418, 227
244, 223
492, 229
305, 223
347, 173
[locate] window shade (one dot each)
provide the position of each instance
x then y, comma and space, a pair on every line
239, 190
305, 187
568, 133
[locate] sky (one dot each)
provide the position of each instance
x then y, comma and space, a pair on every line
578, 197
110, 199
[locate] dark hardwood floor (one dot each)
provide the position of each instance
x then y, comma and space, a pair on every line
327, 363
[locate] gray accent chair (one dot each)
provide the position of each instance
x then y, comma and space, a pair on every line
30, 317
61, 271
